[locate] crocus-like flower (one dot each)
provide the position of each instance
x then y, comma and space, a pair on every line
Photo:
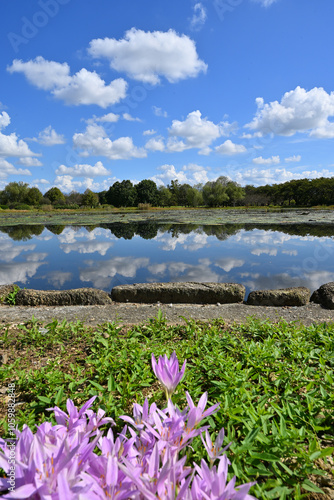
197, 413
167, 371
215, 450
75, 460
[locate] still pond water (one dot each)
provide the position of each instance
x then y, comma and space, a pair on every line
263, 257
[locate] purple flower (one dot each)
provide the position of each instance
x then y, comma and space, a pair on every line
75, 460
215, 450
197, 413
167, 371
211, 483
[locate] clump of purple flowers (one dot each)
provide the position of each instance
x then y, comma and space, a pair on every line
75, 460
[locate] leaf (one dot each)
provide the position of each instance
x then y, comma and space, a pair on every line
98, 386
59, 396
315, 455
44, 399
323, 392
309, 486
111, 383
269, 457
280, 492
251, 436
313, 446
326, 452
286, 468
283, 426
328, 377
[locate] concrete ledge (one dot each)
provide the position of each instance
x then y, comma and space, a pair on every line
324, 295
176, 293
76, 297
298, 296
5, 290
172, 293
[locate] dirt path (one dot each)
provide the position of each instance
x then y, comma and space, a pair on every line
127, 314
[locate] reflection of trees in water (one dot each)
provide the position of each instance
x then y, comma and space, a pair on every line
317, 229
222, 231
176, 229
149, 230
22, 232
55, 228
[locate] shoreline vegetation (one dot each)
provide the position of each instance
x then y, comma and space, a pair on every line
273, 382
242, 216
222, 192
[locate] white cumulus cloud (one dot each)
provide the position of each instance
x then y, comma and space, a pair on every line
159, 112
130, 118
259, 177
66, 184
196, 132
190, 174
146, 56
155, 144
28, 161
49, 137
230, 148
299, 111
109, 118
84, 87
94, 141
294, 158
83, 170
11, 145
7, 169
274, 160
149, 132
4, 120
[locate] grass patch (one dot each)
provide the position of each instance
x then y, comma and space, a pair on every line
274, 383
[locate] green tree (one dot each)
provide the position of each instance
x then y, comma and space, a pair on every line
102, 197
33, 196
214, 194
234, 192
147, 192
194, 197
55, 195
122, 194
74, 198
90, 199
182, 195
165, 197
14, 192
174, 188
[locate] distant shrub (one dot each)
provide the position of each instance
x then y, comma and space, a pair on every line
21, 206
144, 206
4, 207
72, 206
46, 208
66, 207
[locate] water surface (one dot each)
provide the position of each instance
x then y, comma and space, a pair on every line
63, 257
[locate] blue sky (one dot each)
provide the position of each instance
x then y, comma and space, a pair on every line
94, 92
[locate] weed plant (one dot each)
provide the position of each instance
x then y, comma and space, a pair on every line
274, 383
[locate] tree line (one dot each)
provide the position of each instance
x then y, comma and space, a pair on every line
219, 193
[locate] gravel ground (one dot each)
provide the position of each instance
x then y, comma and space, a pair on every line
127, 314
